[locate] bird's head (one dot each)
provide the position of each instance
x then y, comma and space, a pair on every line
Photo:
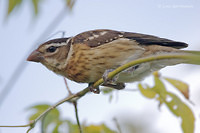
53, 54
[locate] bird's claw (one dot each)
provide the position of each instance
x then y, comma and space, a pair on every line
107, 82
112, 82
93, 89
117, 86
106, 79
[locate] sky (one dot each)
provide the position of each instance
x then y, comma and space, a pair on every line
173, 19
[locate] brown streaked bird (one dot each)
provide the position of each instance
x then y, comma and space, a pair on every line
88, 56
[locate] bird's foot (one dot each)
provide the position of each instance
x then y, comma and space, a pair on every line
112, 82
108, 80
93, 89
118, 86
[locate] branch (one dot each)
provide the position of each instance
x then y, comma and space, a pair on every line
75, 106
75, 97
117, 125
77, 117
69, 98
69, 91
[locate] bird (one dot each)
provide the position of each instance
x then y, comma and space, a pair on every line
91, 55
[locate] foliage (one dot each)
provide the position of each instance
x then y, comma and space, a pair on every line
35, 4
52, 121
173, 102
13, 4
108, 91
157, 92
181, 86
51, 118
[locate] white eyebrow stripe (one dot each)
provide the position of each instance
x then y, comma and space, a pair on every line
57, 44
68, 40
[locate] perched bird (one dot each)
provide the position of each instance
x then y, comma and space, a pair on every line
88, 56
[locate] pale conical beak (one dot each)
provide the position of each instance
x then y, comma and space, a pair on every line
35, 56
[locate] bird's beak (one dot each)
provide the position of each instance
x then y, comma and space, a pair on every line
35, 56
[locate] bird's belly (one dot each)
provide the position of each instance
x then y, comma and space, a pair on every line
145, 69
89, 64
135, 74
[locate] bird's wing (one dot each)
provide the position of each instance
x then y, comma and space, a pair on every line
144, 39
96, 38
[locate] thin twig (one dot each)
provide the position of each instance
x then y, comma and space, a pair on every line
77, 116
66, 84
75, 106
117, 125
77, 95
69, 98
17, 125
42, 123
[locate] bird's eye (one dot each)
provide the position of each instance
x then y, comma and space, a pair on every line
51, 49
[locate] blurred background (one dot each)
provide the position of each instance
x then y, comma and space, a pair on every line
22, 31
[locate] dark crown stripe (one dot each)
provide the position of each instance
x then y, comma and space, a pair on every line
58, 40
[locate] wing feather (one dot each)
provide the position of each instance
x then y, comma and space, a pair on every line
96, 38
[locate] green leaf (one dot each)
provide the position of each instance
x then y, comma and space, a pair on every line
73, 128
51, 117
174, 103
70, 3
55, 130
147, 92
176, 106
35, 5
13, 4
110, 98
102, 128
106, 129
39, 110
159, 86
98, 129
181, 86
107, 90
180, 109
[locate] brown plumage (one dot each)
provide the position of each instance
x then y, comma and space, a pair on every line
86, 56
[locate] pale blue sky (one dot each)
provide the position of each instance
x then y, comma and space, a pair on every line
174, 19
